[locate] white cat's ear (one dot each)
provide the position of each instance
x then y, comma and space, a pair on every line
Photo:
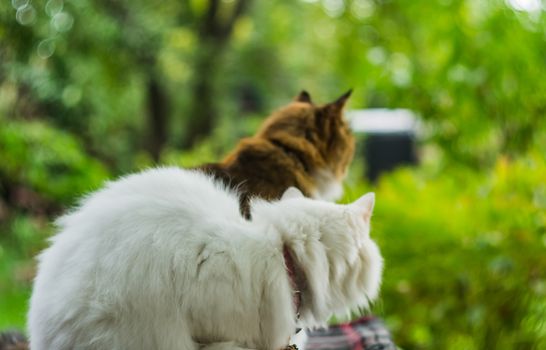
292, 192
365, 205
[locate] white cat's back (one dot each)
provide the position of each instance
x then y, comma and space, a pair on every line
155, 190
163, 260
129, 234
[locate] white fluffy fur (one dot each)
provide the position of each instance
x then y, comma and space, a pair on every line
163, 260
328, 187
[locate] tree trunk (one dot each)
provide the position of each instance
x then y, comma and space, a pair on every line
157, 118
214, 35
203, 111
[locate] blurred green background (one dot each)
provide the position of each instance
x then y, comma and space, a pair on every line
91, 89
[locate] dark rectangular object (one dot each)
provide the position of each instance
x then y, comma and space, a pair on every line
386, 151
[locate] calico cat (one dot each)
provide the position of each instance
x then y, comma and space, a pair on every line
301, 145
164, 260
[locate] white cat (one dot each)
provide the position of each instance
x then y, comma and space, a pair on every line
164, 260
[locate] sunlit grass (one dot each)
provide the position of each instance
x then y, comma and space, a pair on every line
14, 293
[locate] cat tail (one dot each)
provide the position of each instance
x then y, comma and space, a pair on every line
13, 340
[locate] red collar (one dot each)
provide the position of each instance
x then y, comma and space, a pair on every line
291, 270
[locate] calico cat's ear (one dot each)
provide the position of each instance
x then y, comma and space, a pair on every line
340, 102
303, 96
292, 192
365, 205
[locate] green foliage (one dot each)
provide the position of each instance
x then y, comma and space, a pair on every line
465, 263
48, 161
21, 238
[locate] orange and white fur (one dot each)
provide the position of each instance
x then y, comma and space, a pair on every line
163, 259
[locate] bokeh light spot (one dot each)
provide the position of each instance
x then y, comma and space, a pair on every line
53, 7
17, 4
71, 95
26, 15
62, 21
46, 48
525, 5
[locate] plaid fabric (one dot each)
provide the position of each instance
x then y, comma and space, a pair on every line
13, 340
367, 333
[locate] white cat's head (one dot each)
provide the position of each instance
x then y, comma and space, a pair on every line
339, 264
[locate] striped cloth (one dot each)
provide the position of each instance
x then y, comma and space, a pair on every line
367, 333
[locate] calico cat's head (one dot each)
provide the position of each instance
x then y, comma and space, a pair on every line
319, 130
